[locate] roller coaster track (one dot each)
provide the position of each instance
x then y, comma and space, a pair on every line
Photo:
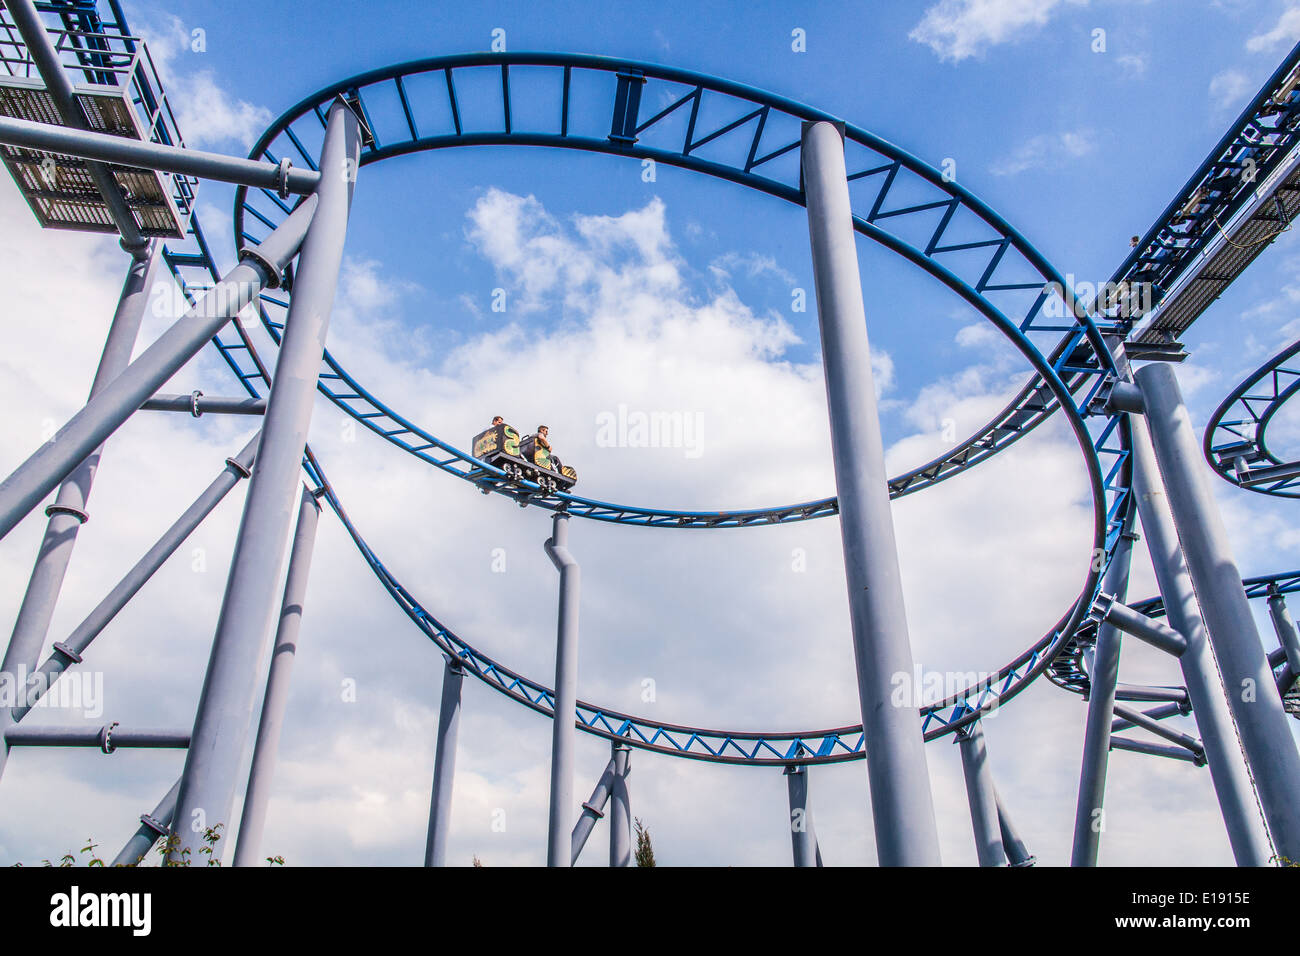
1236, 439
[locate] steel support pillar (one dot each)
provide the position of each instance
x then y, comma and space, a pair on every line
1285, 627
559, 849
69, 652
1103, 682
620, 808
152, 826
981, 795
803, 838
1017, 853
901, 801
592, 810
252, 821
444, 764
68, 512
225, 705
260, 267
1192, 561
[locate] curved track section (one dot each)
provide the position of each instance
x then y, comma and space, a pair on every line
1079, 359
1068, 669
731, 132
1236, 439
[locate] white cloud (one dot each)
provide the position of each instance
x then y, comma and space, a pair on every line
1228, 89
207, 114
958, 29
1284, 33
1046, 149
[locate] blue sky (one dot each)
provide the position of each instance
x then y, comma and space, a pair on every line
673, 295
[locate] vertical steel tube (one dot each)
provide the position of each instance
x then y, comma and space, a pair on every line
620, 809
981, 795
1262, 723
444, 765
1285, 627
68, 512
1103, 679
1205, 690
559, 849
226, 703
901, 801
803, 839
592, 811
152, 826
252, 821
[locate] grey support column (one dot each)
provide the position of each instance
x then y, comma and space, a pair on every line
225, 705
68, 512
253, 820
152, 826
803, 838
559, 847
68, 652
444, 764
1285, 627
1103, 680
592, 810
1205, 689
901, 801
1247, 678
1017, 853
981, 795
261, 267
620, 809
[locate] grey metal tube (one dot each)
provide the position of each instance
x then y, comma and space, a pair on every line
199, 404
1017, 853
66, 515
559, 851
444, 764
1155, 750
1156, 633
1285, 627
101, 147
620, 809
1155, 713
1143, 692
250, 601
60, 90
1103, 683
981, 795
69, 652
102, 415
592, 811
252, 821
803, 839
107, 738
152, 826
1190, 558
902, 804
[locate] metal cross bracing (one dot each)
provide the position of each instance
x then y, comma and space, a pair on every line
1236, 438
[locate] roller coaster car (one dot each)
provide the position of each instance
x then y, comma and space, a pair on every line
522, 458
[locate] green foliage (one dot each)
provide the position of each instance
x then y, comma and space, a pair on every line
645, 852
207, 852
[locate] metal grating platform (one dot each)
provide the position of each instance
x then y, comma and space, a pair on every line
58, 188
